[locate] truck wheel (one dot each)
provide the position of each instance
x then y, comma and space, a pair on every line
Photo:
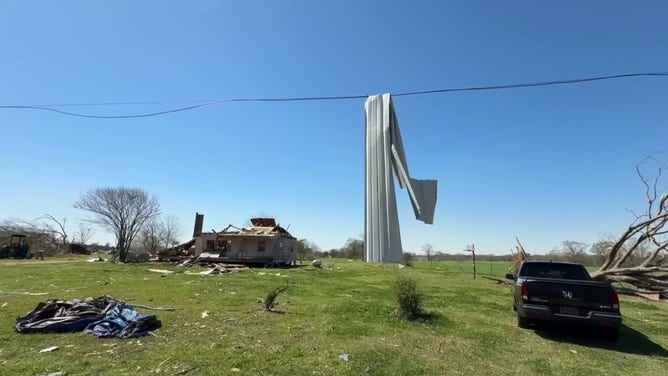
523, 322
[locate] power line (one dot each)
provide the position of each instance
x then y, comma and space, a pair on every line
200, 104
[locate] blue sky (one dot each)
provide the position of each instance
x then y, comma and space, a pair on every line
545, 164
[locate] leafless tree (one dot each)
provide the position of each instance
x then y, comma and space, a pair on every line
303, 249
172, 230
646, 239
571, 251
151, 236
83, 235
56, 227
159, 233
428, 250
353, 249
38, 238
122, 211
601, 249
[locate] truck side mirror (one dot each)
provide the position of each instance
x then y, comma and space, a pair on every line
510, 277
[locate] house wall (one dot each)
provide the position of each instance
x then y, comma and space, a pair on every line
276, 248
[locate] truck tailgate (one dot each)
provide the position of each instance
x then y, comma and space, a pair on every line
570, 297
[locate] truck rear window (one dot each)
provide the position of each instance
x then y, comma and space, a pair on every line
554, 270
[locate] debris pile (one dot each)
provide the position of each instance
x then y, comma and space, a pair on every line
103, 317
214, 267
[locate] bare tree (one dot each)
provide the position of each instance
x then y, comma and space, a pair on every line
303, 249
83, 235
56, 228
122, 211
646, 238
601, 249
571, 251
172, 231
353, 249
159, 234
428, 250
151, 236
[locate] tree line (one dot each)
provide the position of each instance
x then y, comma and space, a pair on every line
130, 214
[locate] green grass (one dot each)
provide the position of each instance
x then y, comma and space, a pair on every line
349, 309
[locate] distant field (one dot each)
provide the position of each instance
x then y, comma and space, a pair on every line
348, 309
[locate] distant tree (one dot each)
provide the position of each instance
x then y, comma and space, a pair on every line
428, 250
159, 233
122, 211
601, 249
335, 253
353, 249
172, 230
571, 251
56, 227
303, 249
151, 235
83, 235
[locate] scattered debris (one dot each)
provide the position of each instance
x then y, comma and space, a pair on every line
518, 258
235, 369
5, 304
317, 263
344, 357
59, 373
205, 314
499, 281
655, 296
218, 268
155, 308
23, 293
161, 271
49, 349
95, 259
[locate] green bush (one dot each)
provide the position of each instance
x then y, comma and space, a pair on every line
270, 300
409, 300
408, 259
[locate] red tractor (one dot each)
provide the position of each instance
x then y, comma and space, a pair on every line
16, 248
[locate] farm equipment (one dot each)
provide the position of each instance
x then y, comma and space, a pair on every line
16, 248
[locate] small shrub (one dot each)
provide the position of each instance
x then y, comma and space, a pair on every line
269, 301
409, 300
408, 259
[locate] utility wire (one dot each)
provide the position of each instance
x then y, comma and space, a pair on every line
302, 99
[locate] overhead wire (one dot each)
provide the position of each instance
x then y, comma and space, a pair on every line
200, 104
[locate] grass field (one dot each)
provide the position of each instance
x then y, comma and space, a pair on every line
348, 309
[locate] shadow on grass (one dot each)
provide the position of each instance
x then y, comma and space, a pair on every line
426, 318
630, 340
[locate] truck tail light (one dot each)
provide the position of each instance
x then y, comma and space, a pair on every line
525, 291
615, 300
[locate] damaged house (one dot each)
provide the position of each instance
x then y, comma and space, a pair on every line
263, 243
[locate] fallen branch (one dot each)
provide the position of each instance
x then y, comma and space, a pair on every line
498, 281
23, 293
155, 308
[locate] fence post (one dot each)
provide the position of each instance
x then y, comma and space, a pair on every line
471, 248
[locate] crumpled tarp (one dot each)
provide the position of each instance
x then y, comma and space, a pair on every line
103, 316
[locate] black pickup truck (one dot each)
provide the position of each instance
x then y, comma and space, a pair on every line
564, 292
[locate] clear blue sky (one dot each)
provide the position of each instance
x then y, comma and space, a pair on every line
546, 164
